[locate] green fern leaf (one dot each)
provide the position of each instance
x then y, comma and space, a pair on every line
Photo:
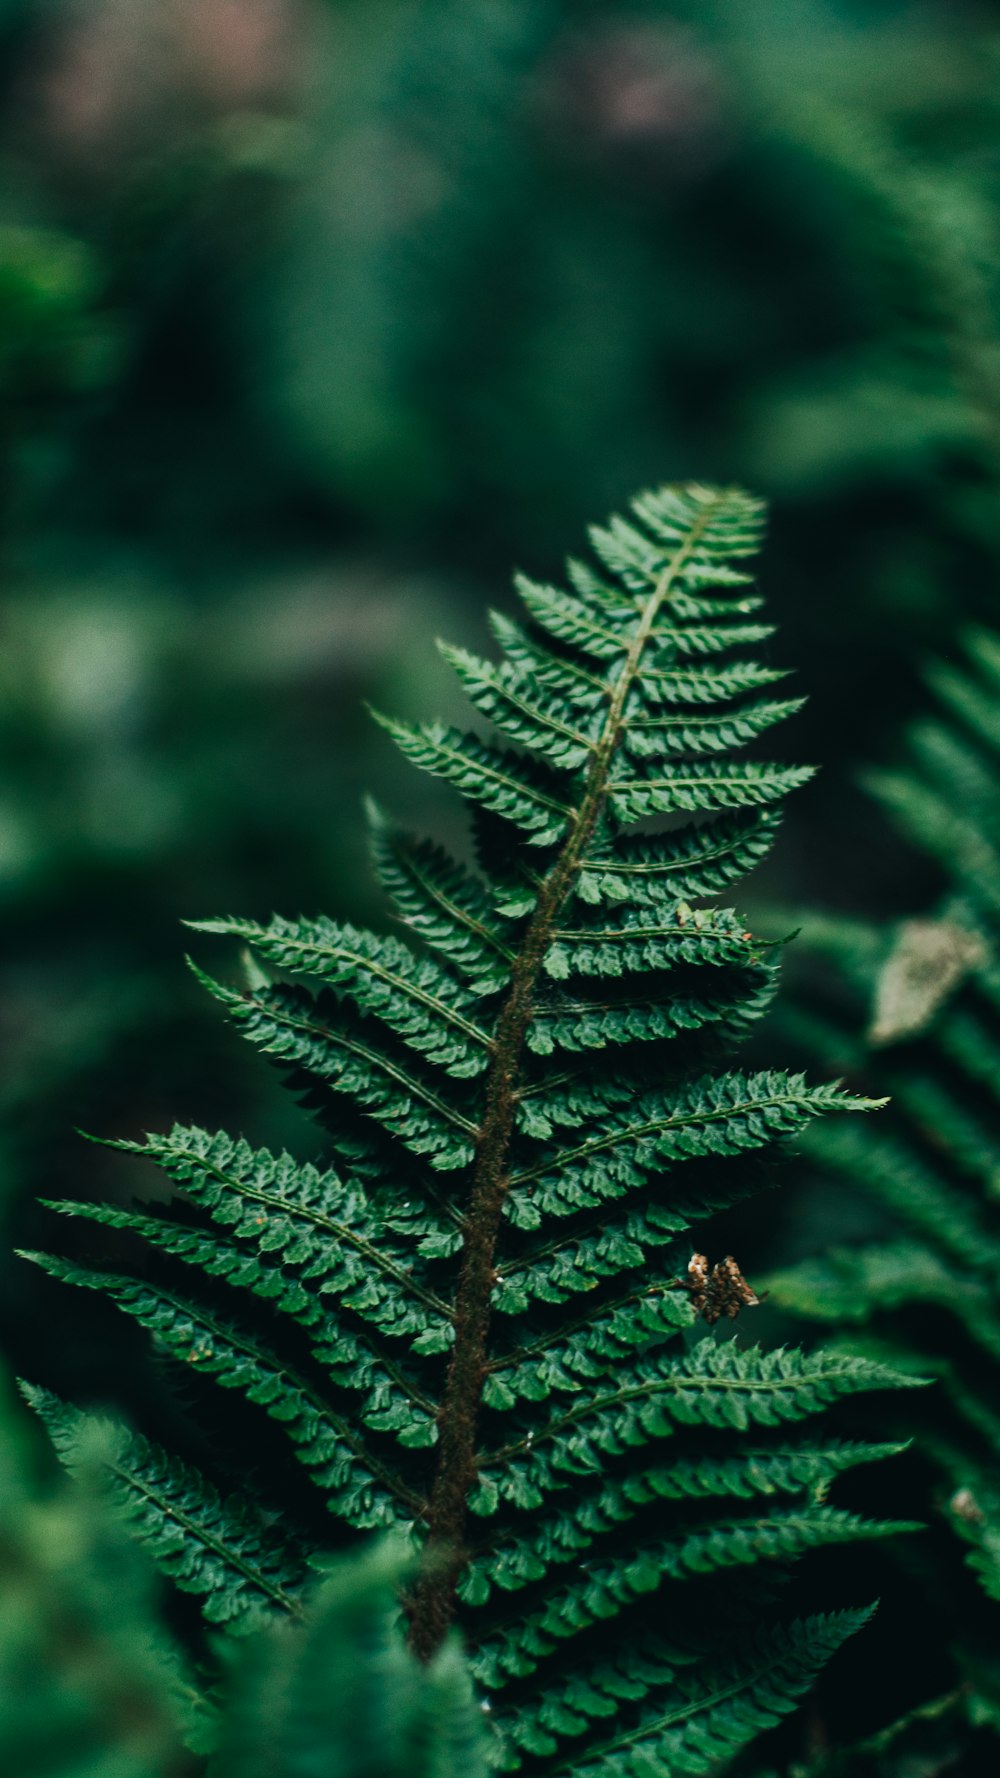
704, 787
355, 1487
501, 782
444, 905
473, 1322
383, 977
684, 864
222, 1549
702, 1714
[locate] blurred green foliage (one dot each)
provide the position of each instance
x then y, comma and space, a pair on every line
85, 1685
95, 1682
896, 1228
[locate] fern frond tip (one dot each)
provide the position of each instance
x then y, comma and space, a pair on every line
218, 990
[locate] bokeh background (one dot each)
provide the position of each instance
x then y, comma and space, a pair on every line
316, 318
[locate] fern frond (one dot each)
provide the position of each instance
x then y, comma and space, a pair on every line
718, 1386
390, 1399
854, 1284
659, 737
682, 864
310, 1221
303, 1034
635, 942
723, 1114
521, 1561
475, 1312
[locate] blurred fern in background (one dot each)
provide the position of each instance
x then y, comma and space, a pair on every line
914, 1007
94, 1682
86, 1680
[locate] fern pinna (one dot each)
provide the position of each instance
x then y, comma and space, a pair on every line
917, 1008
529, 1108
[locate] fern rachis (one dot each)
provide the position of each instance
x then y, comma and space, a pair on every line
456, 1470
481, 1282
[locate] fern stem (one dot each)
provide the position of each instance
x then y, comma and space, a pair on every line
433, 1602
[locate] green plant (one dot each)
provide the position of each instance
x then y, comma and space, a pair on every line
472, 1327
341, 1696
87, 1683
92, 1682
915, 1007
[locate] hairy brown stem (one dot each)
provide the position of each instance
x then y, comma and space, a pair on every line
433, 1602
